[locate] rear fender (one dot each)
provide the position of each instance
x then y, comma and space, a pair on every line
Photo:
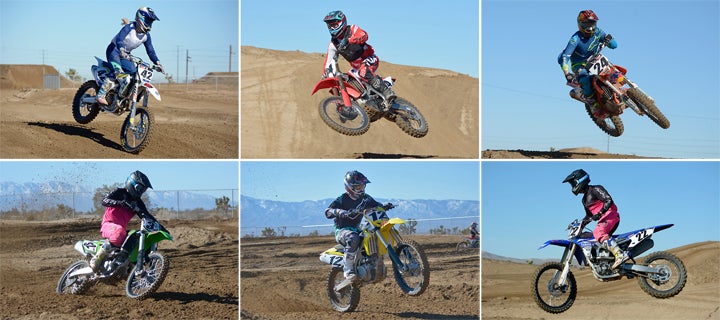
90, 247
333, 257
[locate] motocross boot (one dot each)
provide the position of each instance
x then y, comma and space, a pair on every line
620, 255
97, 261
380, 85
120, 260
594, 106
108, 85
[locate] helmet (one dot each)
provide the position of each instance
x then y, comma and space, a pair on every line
473, 225
136, 184
355, 184
144, 19
587, 22
579, 180
336, 23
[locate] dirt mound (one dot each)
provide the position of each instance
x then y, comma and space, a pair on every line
568, 153
506, 291
283, 278
280, 118
19, 76
201, 284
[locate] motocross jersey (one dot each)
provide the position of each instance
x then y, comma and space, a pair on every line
344, 202
597, 200
580, 48
356, 48
129, 39
121, 213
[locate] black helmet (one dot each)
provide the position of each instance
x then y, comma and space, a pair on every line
355, 184
136, 184
579, 180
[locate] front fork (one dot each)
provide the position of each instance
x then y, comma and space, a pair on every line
566, 259
140, 265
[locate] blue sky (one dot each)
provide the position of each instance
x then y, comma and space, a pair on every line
164, 175
437, 34
72, 32
295, 181
525, 203
670, 49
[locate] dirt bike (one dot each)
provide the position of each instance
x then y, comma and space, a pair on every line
353, 105
661, 275
614, 92
145, 271
136, 129
468, 243
379, 238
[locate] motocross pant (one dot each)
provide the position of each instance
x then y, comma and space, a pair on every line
607, 225
351, 240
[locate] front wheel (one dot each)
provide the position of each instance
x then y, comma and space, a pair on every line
345, 300
76, 284
352, 122
409, 118
414, 276
462, 246
550, 295
84, 106
611, 125
135, 132
669, 281
648, 106
144, 280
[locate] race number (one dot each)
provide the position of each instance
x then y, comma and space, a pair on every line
640, 236
598, 64
146, 73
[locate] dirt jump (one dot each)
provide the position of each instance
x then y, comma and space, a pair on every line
506, 291
195, 121
201, 283
283, 278
280, 119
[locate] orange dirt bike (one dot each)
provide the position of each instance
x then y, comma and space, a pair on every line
136, 129
379, 238
353, 105
615, 92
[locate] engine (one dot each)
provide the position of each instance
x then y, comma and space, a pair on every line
371, 269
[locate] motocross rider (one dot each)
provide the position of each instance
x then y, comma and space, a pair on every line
474, 234
131, 36
347, 220
121, 205
583, 44
351, 42
599, 206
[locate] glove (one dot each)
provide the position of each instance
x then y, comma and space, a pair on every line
124, 54
586, 220
159, 67
608, 37
570, 77
388, 206
328, 72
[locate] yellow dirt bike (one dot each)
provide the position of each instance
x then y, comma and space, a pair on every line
379, 238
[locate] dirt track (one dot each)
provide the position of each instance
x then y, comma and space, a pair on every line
280, 118
284, 279
199, 123
201, 284
506, 292
570, 153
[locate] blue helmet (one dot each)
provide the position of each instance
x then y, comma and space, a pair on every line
144, 19
336, 23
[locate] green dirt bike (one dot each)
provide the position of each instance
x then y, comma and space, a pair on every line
145, 271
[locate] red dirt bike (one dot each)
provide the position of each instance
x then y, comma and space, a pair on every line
614, 93
353, 105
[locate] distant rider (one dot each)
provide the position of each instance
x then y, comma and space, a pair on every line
131, 36
121, 205
583, 44
474, 235
599, 206
351, 42
347, 220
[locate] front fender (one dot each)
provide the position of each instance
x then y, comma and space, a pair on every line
154, 92
332, 83
560, 243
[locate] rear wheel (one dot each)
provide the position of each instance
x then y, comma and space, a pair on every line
83, 110
76, 284
409, 118
611, 125
648, 106
345, 300
669, 281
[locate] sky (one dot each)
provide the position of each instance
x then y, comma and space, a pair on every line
670, 49
163, 175
436, 34
70, 33
296, 181
525, 203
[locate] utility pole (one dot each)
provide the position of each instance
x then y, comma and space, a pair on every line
230, 60
187, 61
177, 65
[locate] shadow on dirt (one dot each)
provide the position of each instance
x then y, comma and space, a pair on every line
75, 130
184, 298
415, 315
372, 155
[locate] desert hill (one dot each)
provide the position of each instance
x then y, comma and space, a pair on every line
20, 76
279, 117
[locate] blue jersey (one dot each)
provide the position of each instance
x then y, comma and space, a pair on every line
580, 48
129, 39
